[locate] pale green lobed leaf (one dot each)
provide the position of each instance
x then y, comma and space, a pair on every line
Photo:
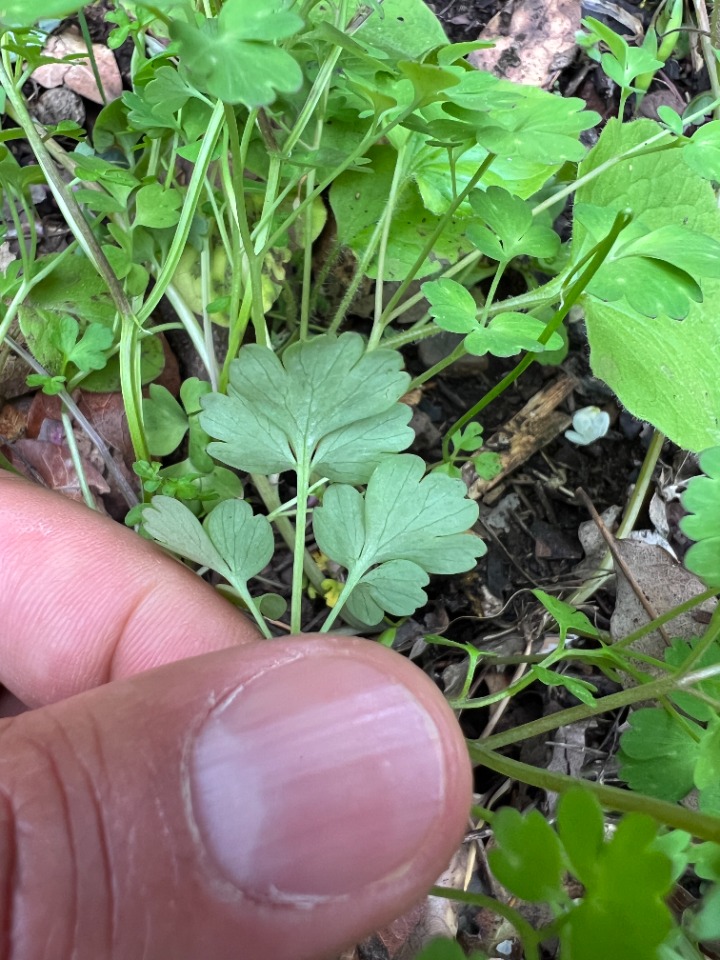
329, 404
646, 361
175, 527
244, 541
395, 587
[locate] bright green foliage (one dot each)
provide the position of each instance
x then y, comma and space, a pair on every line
623, 63
646, 361
622, 912
234, 56
509, 229
702, 501
328, 405
567, 618
520, 121
358, 200
676, 655
446, 950
167, 422
658, 754
702, 153
665, 755
654, 269
404, 527
24, 13
527, 839
157, 207
506, 334
406, 29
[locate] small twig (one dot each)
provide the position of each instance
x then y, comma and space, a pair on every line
625, 569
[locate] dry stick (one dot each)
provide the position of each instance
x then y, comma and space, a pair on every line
627, 573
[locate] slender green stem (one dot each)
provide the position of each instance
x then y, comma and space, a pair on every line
91, 54
595, 260
348, 587
432, 238
627, 155
395, 189
624, 801
192, 198
307, 265
614, 701
244, 593
437, 368
358, 276
254, 264
269, 496
665, 618
77, 461
303, 483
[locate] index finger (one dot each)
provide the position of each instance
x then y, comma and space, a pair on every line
84, 600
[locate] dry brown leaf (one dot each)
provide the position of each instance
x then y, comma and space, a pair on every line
78, 75
665, 583
53, 465
533, 43
106, 412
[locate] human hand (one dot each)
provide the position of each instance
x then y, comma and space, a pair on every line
263, 799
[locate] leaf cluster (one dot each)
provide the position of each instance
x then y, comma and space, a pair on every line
626, 879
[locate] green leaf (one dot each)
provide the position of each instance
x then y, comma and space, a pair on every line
359, 199
623, 912
328, 405
487, 465
581, 828
406, 30
90, 352
395, 587
567, 618
657, 755
509, 229
234, 57
578, 688
50, 386
175, 527
646, 361
451, 305
508, 334
676, 655
528, 857
24, 13
245, 542
157, 206
231, 541
702, 153
538, 126
107, 380
702, 501
166, 422
402, 516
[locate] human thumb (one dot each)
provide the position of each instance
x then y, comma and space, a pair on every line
279, 801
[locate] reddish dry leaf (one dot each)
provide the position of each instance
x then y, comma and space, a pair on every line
106, 412
78, 75
53, 465
42, 408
